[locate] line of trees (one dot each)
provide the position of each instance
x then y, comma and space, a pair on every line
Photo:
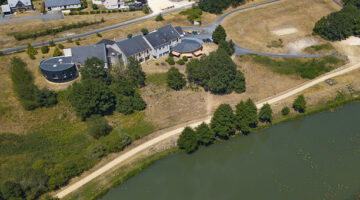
225, 123
53, 31
30, 96
216, 6
341, 24
102, 92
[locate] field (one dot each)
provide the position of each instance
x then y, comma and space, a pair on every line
291, 21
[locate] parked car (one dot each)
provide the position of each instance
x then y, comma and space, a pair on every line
207, 40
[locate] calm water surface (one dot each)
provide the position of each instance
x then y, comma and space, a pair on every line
316, 157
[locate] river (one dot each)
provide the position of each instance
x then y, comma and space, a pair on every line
315, 157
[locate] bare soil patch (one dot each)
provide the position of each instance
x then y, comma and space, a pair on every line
285, 31
297, 46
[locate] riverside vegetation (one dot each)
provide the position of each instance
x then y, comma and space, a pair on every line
58, 150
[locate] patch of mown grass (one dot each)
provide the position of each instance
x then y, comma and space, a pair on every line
304, 67
321, 48
158, 79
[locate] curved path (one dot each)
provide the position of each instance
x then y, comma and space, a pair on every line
177, 131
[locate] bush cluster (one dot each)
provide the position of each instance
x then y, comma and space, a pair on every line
225, 123
193, 14
52, 31
175, 80
216, 6
341, 24
100, 92
28, 94
216, 73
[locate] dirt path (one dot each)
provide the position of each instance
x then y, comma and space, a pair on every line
340, 71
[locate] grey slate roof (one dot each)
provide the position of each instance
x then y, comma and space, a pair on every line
5, 8
179, 30
56, 64
133, 46
106, 42
12, 3
162, 36
58, 3
80, 54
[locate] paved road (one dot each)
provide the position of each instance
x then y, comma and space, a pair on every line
177, 131
55, 15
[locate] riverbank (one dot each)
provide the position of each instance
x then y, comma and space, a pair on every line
99, 187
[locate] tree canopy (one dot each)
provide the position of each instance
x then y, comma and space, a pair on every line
216, 6
94, 68
265, 114
219, 34
175, 79
188, 140
223, 121
97, 126
300, 104
216, 72
12, 190
205, 134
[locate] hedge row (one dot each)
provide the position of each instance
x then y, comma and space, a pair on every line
101, 11
53, 31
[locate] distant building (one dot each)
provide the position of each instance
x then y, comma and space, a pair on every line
16, 6
110, 4
62, 4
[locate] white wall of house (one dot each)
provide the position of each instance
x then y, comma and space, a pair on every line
97, 2
66, 7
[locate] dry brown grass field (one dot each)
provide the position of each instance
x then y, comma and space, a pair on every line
291, 21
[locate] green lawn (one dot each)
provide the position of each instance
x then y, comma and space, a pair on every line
158, 79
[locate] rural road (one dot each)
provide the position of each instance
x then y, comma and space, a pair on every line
11, 50
340, 71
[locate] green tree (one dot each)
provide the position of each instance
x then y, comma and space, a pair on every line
146, 10
219, 34
95, 7
285, 111
252, 113
57, 52
223, 121
97, 126
31, 51
91, 97
205, 135
229, 47
61, 46
159, 18
242, 118
300, 104
43, 7
265, 114
239, 83
94, 68
129, 36
45, 49
11, 190
188, 140
175, 79
144, 31
135, 72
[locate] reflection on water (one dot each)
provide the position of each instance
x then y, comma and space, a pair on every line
316, 157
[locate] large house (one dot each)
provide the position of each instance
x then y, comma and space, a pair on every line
110, 4
156, 44
62, 4
17, 5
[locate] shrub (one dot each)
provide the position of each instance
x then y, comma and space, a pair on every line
175, 79
116, 141
57, 52
188, 140
98, 34
170, 60
180, 62
31, 51
285, 111
193, 14
144, 31
95, 7
216, 6
45, 49
146, 10
52, 43
12, 190
185, 58
159, 18
70, 41
129, 36
300, 104
239, 82
61, 46
97, 126
77, 43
